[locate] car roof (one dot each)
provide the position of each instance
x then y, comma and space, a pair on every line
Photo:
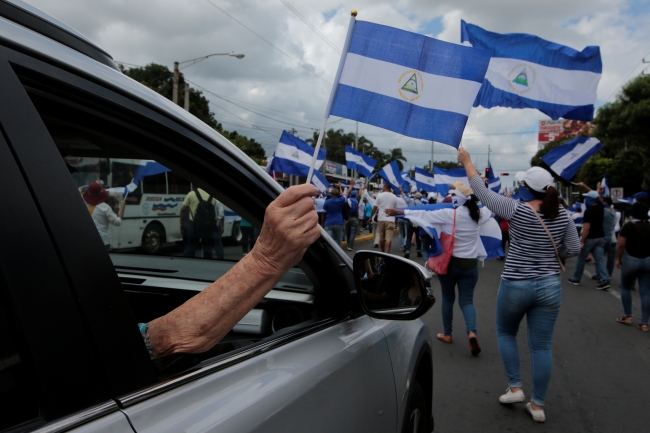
28, 16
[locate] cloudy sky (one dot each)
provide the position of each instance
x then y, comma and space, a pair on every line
292, 50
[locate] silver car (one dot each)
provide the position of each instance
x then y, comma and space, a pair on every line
336, 346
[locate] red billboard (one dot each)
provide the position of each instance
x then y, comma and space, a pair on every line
550, 130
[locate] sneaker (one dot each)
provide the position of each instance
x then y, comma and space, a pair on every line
501, 258
376, 245
419, 254
595, 277
407, 254
512, 397
350, 249
574, 282
537, 414
603, 286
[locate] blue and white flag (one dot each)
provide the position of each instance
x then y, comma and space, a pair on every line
489, 232
529, 72
408, 83
494, 183
319, 181
566, 160
293, 156
443, 177
408, 182
146, 167
424, 180
356, 160
605, 186
390, 173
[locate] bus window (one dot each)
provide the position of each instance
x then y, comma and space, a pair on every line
177, 184
156, 184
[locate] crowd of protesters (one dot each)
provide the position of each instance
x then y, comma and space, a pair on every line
538, 231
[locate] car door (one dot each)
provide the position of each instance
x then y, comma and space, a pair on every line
329, 374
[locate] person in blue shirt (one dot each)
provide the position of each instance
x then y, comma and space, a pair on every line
352, 224
334, 214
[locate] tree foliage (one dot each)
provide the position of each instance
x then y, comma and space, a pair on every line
161, 80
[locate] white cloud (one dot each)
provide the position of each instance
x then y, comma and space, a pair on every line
164, 31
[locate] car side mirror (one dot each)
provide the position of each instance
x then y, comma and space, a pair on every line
391, 287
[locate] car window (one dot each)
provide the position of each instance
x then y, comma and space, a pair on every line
17, 396
161, 258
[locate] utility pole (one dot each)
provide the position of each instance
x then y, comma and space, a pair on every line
186, 104
356, 145
431, 164
489, 150
175, 88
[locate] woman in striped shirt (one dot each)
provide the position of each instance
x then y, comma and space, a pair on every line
531, 285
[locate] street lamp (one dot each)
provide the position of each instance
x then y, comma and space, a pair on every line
187, 63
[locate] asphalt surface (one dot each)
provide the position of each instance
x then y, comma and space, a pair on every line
601, 369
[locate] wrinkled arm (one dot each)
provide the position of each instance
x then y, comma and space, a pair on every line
290, 226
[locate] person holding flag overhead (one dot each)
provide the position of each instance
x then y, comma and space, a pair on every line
541, 235
463, 222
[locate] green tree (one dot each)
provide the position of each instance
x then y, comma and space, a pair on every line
623, 127
160, 79
336, 140
396, 155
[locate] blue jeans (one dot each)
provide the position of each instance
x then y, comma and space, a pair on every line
426, 246
410, 229
208, 243
539, 300
402, 224
597, 248
466, 280
336, 233
352, 228
610, 254
635, 268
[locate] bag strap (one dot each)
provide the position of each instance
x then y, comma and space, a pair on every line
557, 254
91, 209
453, 229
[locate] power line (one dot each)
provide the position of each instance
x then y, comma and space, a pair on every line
278, 49
311, 26
628, 76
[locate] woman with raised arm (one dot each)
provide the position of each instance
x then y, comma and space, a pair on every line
463, 221
541, 234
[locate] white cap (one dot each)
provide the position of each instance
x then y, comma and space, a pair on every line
431, 195
538, 179
519, 176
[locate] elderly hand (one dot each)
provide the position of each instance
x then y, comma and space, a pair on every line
290, 226
463, 156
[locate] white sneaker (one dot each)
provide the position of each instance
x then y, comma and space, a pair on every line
512, 397
537, 414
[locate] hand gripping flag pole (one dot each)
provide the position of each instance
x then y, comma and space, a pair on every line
346, 47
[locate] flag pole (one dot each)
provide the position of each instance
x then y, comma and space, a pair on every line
346, 47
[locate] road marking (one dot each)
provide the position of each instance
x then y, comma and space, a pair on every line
612, 292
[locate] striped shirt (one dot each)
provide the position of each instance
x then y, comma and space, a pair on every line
531, 254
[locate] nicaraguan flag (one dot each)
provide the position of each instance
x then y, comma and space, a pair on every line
566, 160
293, 156
443, 177
424, 180
409, 83
494, 182
529, 72
319, 180
605, 186
356, 160
146, 167
489, 232
390, 173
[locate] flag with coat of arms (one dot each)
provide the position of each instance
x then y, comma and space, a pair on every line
293, 156
355, 160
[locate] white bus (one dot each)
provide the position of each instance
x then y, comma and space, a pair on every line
152, 213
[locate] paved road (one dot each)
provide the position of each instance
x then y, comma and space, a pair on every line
601, 369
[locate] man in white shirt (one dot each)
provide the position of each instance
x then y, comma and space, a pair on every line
386, 224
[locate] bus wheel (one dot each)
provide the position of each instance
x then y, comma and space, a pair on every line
153, 239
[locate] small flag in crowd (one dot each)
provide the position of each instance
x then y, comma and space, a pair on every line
146, 167
293, 156
494, 183
424, 180
444, 177
408, 83
529, 72
356, 160
605, 186
566, 160
408, 180
390, 173
320, 182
